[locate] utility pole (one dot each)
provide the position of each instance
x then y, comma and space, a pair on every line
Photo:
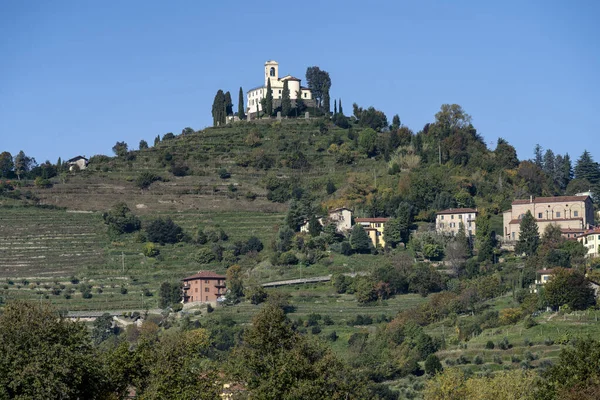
123, 262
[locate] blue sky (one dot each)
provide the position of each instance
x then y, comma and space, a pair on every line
77, 76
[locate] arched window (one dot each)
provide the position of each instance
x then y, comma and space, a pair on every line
272, 71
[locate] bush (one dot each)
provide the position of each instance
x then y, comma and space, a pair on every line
478, 360
257, 295
315, 330
42, 183
224, 174
504, 344
177, 307
548, 342
145, 179
432, 365
288, 258
179, 169
529, 322
332, 337
150, 250
209, 308
497, 359
489, 345
204, 256
120, 219
327, 320
123, 290
164, 231
361, 320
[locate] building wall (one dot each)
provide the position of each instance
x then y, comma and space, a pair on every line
591, 242
375, 232
80, 163
204, 290
450, 223
577, 214
342, 220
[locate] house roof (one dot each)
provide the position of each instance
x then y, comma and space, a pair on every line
555, 199
458, 211
339, 209
518, 221
290, 78
77, 158
204, 275
589, 232
545, 271
372, 219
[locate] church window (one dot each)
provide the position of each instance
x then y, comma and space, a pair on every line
576, 213
272, 71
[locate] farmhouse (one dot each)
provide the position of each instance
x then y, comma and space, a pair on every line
203, 287
568, 212
340, 217
77, 162
448, 221
254, 95
374, 228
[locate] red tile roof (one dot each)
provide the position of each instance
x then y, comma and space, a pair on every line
590, 232
372, 219
204, 275
555, 199
458, 211
545, 271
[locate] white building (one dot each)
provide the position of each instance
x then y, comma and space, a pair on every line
254, 95
448, 221
77, 162
340, 217
591, 241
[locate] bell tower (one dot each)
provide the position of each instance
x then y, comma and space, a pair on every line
271, 71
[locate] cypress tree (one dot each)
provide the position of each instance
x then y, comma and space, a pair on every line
218, 108
300, 106
286, 103
314, 226
241, 108
529, 236
359, 240
326, 102
228, 104
334, 107
586, 168
486, 239
157, 139
59, 164
341, 111
269, 99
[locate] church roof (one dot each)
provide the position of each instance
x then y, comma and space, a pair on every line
290, 78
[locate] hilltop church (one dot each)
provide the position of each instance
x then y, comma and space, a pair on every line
254, 95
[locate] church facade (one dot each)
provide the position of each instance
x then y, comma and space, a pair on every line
255, 95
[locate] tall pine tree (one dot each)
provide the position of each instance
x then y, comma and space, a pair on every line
538, 156
529, 236
396, 122
586, 168
269, 99
549, 163
286, 103
241, 108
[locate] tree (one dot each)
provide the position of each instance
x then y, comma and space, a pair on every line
143, 144
367, 141
218, 109
314, 226
319, 83
485, 237
103, 328
120, 149
235, 284
341, 110
334, 107
549, 160
228, 104
241, 108
286, 103
396, 122
169, 293
6, 164
156, 140
397, 229
370, 118
529, 236
506, 155
164, 231
46, 356
433, 365
586, 168
538, 158
359, 240
120, 219
274, 362
300, 105
23, 164
569, 287
268, 109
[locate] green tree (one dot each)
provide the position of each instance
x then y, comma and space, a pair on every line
6, 164
235, 284
286, 103
319, 83
103, 328
23, 164
143, 144
396, 122
569, 287
370, 118
218, 109
367, 141
164, 231
397, 229
300, 105
586, 168
529, 236
314, 226
120, 219
485, 237
506, 155
241, 108
334, 107
120, 149
433, 365
156, 140
269, 99
341, 110
169, 294
359, 240
228, 104
45, 356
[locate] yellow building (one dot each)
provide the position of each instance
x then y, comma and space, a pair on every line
374, 228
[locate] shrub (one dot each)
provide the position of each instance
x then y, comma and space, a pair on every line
123, 290
179, 169
489, 345
253, 244
548, 342
504, 344
164, 231
42, 183
209, 308
327, 320
204, 256
529, 322
478, 360
313, 319
509, 316
361, 320
150, 250
514, 358
145, 179
147, 292
432, 365
497, 359
224, 174
257, 295
120, 219
315, 330
288, 258
177, 307
332, 337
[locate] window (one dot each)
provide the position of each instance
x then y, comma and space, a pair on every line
205, 281
441, 225
280, 92
206, 289
452, 217
304, 95
469, 224
558, 214
513, 236
540, 215
206, 297
460, 217
576, 213
272, 71
442, 217
196, 290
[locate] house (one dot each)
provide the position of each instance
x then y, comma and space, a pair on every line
77, 162
340, 217
568, 212
448, 221
591, 241
571, 233
374, 228
203, 287
254, 95
542, 277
